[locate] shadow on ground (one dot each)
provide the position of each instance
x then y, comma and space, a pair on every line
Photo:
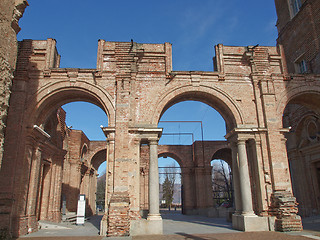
176, 223
312, 224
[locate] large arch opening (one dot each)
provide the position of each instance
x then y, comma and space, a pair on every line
301, 118
80, 176
193, 130
70, 122
217, 99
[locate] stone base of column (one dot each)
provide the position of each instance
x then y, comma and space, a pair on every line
146, 227
33, 224
153, 217
55, 216
104, 225
250, 223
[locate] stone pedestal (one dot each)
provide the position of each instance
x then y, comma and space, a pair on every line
250, 223
146, 227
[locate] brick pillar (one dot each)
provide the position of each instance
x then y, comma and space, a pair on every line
118, 215
51, 196
105, 227
34, 190
208, 191
46, 191
188, 191
56, 205
109, 169
284, 207
200, 187
92, 191
85, 189
260, 169
283, 203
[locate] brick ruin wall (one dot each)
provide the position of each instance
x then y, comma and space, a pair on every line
263, 67
10, 13
147, 62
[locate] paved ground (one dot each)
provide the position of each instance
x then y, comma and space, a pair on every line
177, 227
175, 222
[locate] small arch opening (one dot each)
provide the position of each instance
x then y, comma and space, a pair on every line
222, 183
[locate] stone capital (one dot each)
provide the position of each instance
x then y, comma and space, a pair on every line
109, 132
153, 141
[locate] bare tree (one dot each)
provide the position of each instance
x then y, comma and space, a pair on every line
222, 182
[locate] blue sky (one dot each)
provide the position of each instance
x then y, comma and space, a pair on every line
192, 26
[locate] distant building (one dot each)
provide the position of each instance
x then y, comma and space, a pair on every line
299, 32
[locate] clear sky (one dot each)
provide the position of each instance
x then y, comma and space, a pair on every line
192, 26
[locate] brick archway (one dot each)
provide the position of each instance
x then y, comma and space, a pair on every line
214, 97
98, 158
301, 119
223, 154
61, 92
134, 84
308, 95
179, 153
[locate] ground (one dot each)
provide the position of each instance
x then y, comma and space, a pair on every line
178, 226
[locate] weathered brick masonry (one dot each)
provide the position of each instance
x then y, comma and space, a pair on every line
10, 13
134, 84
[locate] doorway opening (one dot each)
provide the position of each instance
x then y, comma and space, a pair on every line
192, 132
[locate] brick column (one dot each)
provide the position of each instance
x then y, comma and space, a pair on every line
52, 193
188, 192
154, 213
56, 210
109, 132
283, 204
46, 190
92, 191
33, 189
